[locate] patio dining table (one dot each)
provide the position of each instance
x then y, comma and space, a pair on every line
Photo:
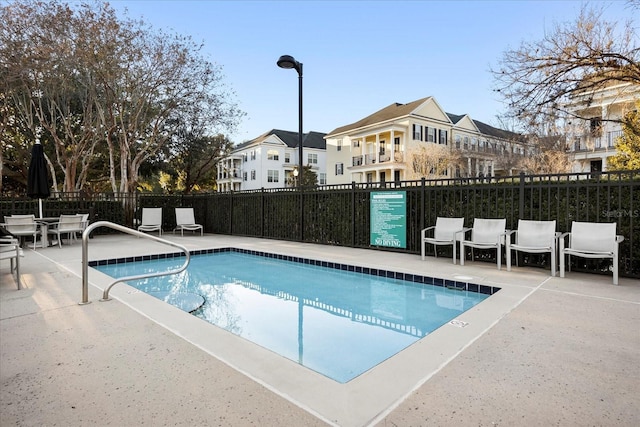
45, 222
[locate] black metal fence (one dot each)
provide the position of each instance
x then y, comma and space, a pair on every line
340, 215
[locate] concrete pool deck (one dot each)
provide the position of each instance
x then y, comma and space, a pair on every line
541, 351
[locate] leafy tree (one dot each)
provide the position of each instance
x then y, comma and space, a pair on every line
195, 159
101, 87
627, 156
46, 82
539, 77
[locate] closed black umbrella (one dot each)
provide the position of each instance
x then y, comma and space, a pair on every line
38, 180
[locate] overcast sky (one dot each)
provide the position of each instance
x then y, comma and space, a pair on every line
358, 56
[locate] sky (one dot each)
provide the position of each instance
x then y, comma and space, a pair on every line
358, 56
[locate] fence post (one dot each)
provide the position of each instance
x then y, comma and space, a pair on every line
422, 192
521, 197
262, 212
353, 213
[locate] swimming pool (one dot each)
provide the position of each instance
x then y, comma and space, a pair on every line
336, 319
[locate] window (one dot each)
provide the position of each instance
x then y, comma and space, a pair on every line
339, 169
442, 137
244, 176
356, 143
396, 142
244, 157
272, 175
466, 142
253, 174
339, 145
595, 126
287, 157
273, 155
253, 154
431, 134
417, 132
322, 178
458, 141
312, 159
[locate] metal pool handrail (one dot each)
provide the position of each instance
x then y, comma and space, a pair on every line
85, 255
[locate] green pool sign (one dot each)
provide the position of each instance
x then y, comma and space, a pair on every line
389, 219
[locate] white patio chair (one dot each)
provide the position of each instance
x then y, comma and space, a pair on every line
10, 249
591, 240
151, 220
23, 225
444, 233
185, 220
67, 224
485, 234
534, 237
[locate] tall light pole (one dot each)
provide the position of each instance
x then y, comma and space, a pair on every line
288, 62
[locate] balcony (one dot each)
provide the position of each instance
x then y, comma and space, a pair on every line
596, 143
371, 159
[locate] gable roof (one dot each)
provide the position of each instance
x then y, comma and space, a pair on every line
498, 133
389, 112
397, 110
290, 139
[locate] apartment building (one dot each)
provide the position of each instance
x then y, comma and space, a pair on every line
419, 139
269, 160
593, 135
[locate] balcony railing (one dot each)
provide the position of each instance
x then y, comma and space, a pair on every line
370, 159
596, 143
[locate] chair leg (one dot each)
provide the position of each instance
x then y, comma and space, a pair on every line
615, 268
454, 251
509, 258
461, 253
499, 256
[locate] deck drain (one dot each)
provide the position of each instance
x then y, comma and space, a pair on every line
458, 323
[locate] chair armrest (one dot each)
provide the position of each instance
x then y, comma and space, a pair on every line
6, 240
423, 233
619, 238
463, 232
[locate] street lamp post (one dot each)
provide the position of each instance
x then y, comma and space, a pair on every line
288, 62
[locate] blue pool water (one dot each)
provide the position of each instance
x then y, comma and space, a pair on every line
337, 322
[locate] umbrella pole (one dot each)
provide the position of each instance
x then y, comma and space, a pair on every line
40, 207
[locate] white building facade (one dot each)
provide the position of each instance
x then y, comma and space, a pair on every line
594, 134
269, 160
395, 143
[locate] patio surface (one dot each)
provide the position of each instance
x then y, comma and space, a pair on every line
542, 351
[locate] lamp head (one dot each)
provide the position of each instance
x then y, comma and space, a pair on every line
288, 62
295, 172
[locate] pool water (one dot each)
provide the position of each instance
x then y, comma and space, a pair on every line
338, 323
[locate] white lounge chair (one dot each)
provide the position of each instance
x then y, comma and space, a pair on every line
151, 220
591, 240
185, 220
23, 225
67, 224
444, 233
10, 249
485, 234
534, 237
